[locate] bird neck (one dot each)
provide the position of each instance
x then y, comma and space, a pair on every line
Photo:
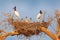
14, 9
40, 13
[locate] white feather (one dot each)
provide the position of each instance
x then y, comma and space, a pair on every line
38, 16
16, 13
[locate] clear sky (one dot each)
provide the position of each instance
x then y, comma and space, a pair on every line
29, 8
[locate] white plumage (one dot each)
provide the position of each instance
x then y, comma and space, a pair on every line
27, 20
16, 13
38, 16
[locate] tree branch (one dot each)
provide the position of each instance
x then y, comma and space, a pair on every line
8, 34
49, 33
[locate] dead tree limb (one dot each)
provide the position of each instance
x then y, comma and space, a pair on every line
49, 33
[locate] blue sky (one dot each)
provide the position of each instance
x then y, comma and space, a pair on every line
29, 8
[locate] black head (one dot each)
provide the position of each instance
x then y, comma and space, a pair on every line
30, 18
40, 12
26, 16
14, 8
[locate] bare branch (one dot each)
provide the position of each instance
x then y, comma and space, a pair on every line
8, 34
49, 33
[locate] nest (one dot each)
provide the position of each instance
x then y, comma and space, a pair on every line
26, 28
29, 28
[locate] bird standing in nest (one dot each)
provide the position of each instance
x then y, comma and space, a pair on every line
27, 20
39, 15
16, 12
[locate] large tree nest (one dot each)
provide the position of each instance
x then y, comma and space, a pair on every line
28, 28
